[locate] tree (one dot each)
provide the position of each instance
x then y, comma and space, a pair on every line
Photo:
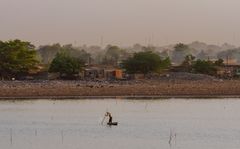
66, 65
17, 58
144, 62
219, 62
166, 63
180, 52
112, 55
203, 55
78, 53
204, 67
188, 62
48, 52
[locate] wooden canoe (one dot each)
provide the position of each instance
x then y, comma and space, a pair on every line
113, 123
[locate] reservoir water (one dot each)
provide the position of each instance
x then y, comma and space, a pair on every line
143, 124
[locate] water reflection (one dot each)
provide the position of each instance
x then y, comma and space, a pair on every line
143, 124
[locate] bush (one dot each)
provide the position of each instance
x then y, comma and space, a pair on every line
145, 62
66, 65
204, 67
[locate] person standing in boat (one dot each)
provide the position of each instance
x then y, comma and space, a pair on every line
110, 123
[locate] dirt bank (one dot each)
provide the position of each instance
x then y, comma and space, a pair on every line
174, 88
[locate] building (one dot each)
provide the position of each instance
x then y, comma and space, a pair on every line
229, 71
103, 73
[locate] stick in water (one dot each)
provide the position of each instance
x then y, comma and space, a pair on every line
104, 117
103, 120
11, 136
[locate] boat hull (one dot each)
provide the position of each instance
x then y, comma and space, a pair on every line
113, 123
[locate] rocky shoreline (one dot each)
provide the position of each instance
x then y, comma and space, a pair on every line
154, 88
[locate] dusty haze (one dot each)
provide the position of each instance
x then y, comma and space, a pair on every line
121, 22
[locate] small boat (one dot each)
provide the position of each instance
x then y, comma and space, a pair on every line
113, 123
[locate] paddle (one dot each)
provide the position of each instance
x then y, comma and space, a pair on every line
103, 119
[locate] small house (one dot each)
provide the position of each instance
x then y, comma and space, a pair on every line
118, 74
113, 74
94, 73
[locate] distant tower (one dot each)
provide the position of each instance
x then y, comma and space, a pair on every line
101, 41
152, 40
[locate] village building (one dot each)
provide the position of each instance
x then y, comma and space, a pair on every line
102, 73
229, 71
93, 73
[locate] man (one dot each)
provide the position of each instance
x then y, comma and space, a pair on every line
110, 117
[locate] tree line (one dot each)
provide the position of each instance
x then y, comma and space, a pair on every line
18, 58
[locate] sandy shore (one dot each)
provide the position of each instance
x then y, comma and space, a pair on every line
141, 89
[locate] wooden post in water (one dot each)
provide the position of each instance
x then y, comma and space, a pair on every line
170, 138
62, 136
11, 137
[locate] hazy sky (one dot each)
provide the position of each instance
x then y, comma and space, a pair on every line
121, 22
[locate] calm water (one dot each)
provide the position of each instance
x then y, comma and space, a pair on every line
152, 124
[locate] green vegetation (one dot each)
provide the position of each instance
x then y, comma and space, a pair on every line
19, 59
201, 66
204, 67
16, 58
188, 62
145, 62
66, 65
165, 63
219, 62
180, 52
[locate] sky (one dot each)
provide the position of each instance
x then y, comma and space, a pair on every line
120, 22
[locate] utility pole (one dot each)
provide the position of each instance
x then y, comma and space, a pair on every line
101, 41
